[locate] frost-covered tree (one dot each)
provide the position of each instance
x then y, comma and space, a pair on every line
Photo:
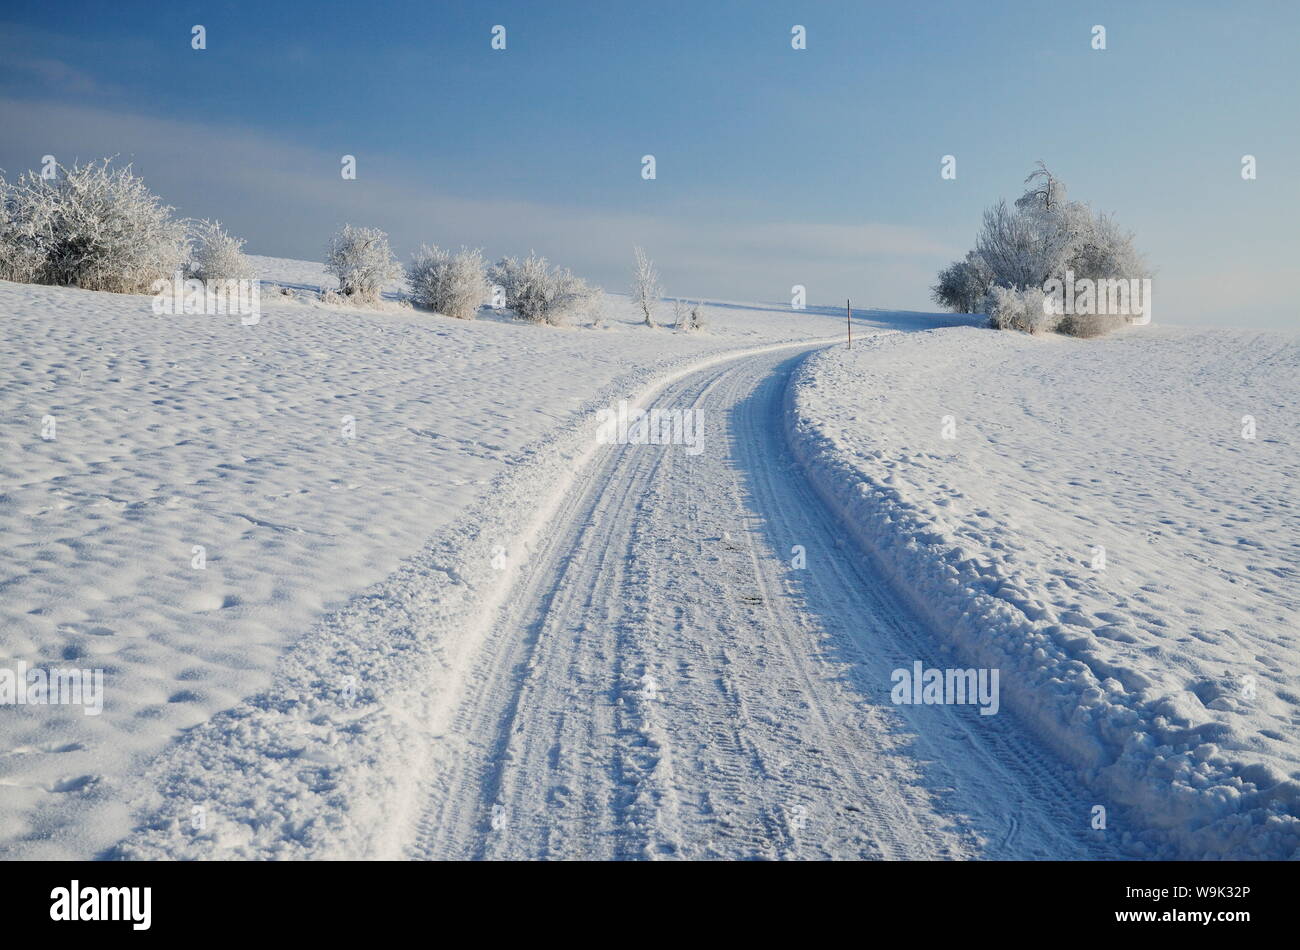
215, 254
1059, 225
687, 316
450, 284
91, 226
1044, 236
1011, 245
1045, 191
362, 261
645, 285
963, 285
1038, 239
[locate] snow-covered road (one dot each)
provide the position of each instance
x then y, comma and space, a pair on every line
663, 681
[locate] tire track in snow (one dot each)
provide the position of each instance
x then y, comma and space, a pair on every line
764, 728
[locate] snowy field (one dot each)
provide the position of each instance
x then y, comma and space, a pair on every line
174, 433
1165, 667
345, 570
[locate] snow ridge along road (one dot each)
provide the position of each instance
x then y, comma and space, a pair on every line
661, 682
1166, 676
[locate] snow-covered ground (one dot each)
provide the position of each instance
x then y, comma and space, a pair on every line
433, 615
1166, 673
647, 676
176, 432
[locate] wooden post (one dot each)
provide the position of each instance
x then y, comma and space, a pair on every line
848, 320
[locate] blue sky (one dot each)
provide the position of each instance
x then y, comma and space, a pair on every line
775, 166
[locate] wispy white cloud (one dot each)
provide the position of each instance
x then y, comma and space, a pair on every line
287, 199
54, 74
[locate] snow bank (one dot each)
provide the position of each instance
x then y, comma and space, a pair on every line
1166, 672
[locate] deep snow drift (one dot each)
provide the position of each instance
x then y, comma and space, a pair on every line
1164, 666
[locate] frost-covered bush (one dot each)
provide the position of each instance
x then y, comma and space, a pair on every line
362, 261
215, 254
1090, 324
23, 223
575, 298
92, 226
539, 293
1022, 310
645, 285
688, 316
526, 284
450, 284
